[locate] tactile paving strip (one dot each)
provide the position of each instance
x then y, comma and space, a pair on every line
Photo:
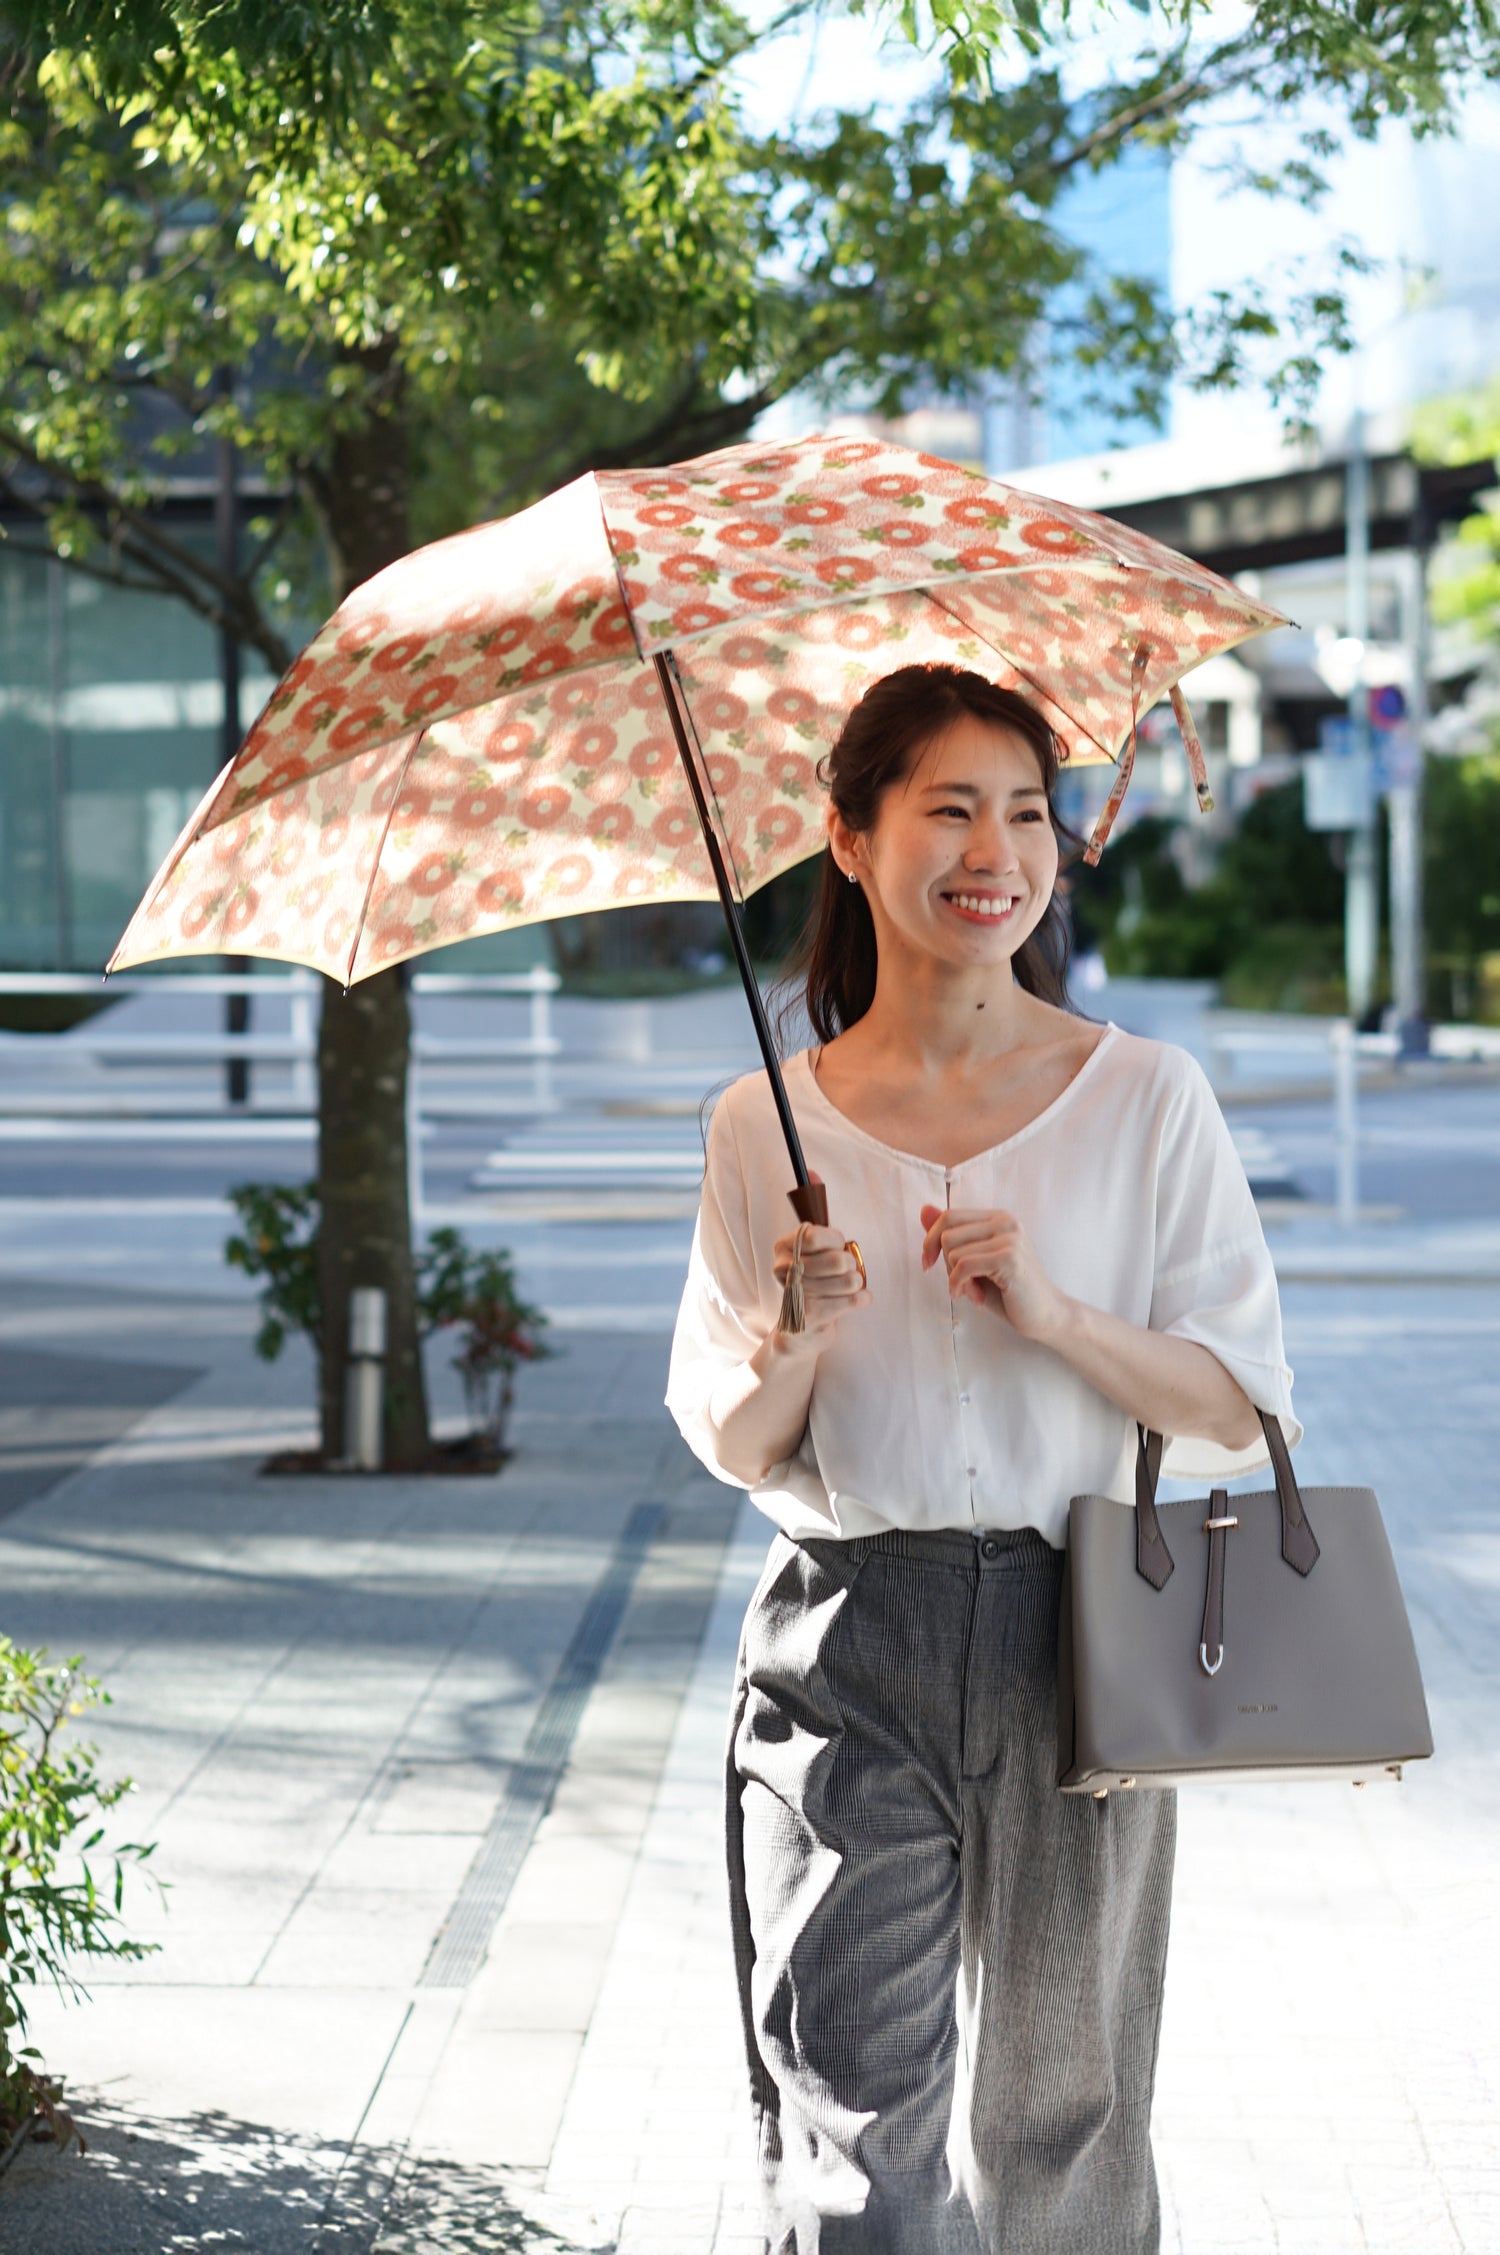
460, 1947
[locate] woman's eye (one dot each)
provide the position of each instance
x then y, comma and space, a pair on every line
961, 811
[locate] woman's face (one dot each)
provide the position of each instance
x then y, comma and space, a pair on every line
962, 859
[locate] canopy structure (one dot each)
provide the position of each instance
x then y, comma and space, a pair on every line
481, 736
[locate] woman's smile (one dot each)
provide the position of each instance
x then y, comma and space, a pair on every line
979, 905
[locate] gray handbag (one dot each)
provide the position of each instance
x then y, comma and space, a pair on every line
1227, 1640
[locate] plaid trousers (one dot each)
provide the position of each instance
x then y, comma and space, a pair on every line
950, 1974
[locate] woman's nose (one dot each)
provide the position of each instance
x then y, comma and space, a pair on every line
991, 847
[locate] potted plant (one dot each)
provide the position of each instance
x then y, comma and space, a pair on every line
500, 1330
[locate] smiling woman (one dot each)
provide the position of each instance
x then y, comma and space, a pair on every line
930, 705
1059, 1244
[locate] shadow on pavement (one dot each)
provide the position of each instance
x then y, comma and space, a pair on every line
61, 1409
149, 2186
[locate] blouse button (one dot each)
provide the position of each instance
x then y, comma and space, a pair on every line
964, 1398
972, 1470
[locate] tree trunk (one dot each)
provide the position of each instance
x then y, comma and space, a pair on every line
365, 1234
364, 1039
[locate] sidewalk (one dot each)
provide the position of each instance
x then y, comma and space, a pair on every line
346, 1702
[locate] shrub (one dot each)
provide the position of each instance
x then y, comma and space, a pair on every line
1267, 924
281, 1244
455, 1287
60, 1897
1462, 847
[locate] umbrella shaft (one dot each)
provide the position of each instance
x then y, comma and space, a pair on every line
730, 906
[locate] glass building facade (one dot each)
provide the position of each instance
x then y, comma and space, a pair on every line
110, 733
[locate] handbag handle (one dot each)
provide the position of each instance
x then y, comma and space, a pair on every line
1153, 1560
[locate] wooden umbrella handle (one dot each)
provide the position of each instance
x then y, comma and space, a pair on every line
810, 1202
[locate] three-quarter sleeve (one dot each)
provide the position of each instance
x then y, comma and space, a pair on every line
1213, 1279
720, 1321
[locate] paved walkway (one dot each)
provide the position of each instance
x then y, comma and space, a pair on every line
346, 1702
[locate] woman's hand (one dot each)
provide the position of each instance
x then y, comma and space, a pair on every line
831, 1281
992, 1262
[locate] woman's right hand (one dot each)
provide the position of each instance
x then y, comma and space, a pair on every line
759, 1409
831, 1280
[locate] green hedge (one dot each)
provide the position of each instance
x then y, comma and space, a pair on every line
1269, 923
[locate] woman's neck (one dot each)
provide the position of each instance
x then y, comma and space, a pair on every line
939, 1022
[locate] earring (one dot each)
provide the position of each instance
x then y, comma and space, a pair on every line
853, 876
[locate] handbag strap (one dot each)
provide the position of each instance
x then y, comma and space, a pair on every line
1153, 1560
1152, 1557
1299, 1545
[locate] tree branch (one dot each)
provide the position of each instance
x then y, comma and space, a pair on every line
680, 430
169, 568
1201, 86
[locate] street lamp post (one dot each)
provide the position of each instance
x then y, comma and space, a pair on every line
1404, 814
1361, 888
227, 542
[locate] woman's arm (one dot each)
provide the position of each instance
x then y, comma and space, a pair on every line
759, 1409
1167, 1384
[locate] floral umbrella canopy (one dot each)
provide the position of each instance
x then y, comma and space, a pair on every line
484, 735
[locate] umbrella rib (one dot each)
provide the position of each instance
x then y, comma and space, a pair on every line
682, 696
619, 575
1042, 691
390, 815
666, 675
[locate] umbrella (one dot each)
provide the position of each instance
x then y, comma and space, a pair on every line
620, 694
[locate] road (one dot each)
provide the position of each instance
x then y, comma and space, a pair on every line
595, 1193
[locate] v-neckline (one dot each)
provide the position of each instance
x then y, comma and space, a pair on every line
991, 1151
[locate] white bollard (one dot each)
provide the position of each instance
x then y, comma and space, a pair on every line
304, 1078
542, 1091
1345, 1119
413, 1146
364, 1384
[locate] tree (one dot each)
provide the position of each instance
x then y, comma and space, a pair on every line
456, 251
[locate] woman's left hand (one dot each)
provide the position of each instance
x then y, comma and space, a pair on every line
992, 1262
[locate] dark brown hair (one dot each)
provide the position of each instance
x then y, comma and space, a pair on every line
875, 748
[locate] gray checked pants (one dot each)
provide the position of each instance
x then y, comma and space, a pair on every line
950, 1973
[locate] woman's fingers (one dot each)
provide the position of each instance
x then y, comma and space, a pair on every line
831, 1272
976, 1268
977, 1246
832, 1268
946, 1226
816, 1238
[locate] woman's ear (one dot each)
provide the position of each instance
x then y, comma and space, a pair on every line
844, 842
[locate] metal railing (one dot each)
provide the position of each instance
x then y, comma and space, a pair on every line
298, 1046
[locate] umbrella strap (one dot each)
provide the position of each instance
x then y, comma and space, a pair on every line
1112, 804
793, 1316
1191, 744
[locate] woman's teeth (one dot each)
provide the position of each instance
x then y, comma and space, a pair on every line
983, 904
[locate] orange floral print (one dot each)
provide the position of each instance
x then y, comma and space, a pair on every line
477, 737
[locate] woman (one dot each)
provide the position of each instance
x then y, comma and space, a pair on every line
951, 1973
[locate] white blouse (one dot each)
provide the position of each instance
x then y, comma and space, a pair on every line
928, 1412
